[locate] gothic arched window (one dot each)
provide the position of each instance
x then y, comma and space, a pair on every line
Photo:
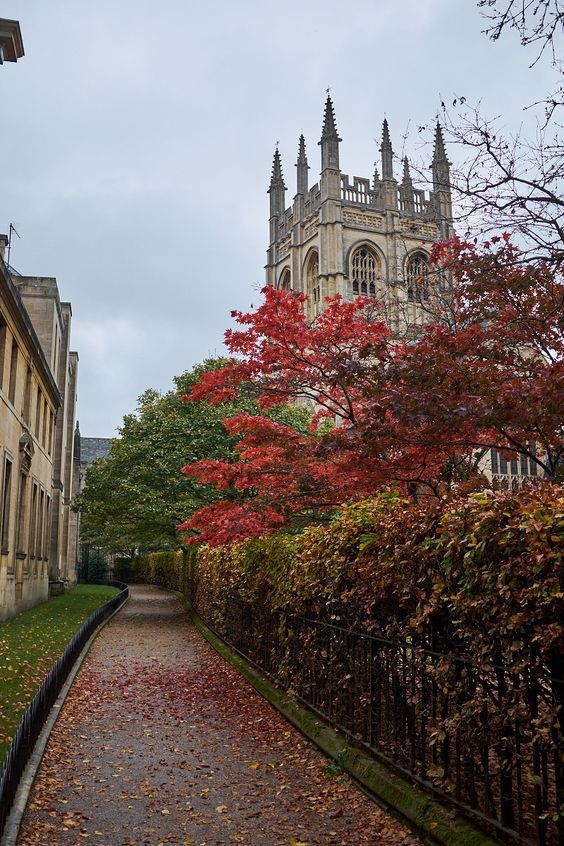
285, 279
417, 278
364, 272
313, 288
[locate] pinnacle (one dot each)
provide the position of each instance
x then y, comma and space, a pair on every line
386, 142
439, 152
277, 178
329, 126
406, 172
302, 157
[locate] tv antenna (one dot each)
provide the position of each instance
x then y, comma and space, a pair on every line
12, 229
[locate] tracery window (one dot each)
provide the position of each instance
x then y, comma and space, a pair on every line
313, 287
417, 277
364, 272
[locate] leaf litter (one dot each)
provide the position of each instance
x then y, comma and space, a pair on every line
162, 742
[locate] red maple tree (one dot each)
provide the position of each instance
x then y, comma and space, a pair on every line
419, 412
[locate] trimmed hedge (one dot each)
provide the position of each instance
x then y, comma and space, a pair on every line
483, 572
167, 569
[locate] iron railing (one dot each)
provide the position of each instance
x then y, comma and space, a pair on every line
37, 712
483, 738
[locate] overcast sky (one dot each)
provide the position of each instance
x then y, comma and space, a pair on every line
138, 138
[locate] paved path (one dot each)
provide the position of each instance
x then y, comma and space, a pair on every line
160, 741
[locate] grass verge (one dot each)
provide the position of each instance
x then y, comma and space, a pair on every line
30, 644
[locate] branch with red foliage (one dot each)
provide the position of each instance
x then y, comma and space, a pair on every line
416, 412
329, 362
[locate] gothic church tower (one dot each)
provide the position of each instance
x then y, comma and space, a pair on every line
365, 237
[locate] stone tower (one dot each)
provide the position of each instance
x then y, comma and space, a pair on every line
361, 236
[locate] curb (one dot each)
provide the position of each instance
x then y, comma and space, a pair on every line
436, 823
13, 823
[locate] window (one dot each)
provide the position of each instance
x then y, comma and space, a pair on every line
417, 277
313, 286
2, 349
44, 426
6, 494
50, 442
33, 522
13, 371
365, 272
285, 280
41, 530
22, 514
47, 524
512, 472
38, 411
27, 397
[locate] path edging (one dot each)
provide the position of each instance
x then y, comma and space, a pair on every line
13, 823
411, 803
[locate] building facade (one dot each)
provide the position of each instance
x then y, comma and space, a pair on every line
38, 374
358, 236
51, 320
30, 402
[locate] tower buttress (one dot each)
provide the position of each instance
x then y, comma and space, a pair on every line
440, 167
440, 164
277, 191
330, 227
329, 142
302, 169
390, 184
330, 182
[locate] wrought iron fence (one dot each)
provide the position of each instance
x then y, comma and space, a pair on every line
37, 712
483, 738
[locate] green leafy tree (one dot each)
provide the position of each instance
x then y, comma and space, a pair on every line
135, 498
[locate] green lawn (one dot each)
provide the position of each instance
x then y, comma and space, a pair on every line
30, 644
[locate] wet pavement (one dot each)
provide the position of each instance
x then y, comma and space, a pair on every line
161, 741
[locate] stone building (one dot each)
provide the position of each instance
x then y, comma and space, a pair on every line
30, 401
358, 235
38, 373
51, 320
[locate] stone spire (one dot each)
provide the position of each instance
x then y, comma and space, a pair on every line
277, 189
276, 179
329, 139
302, 167
440, 164
406, 174
387, 153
